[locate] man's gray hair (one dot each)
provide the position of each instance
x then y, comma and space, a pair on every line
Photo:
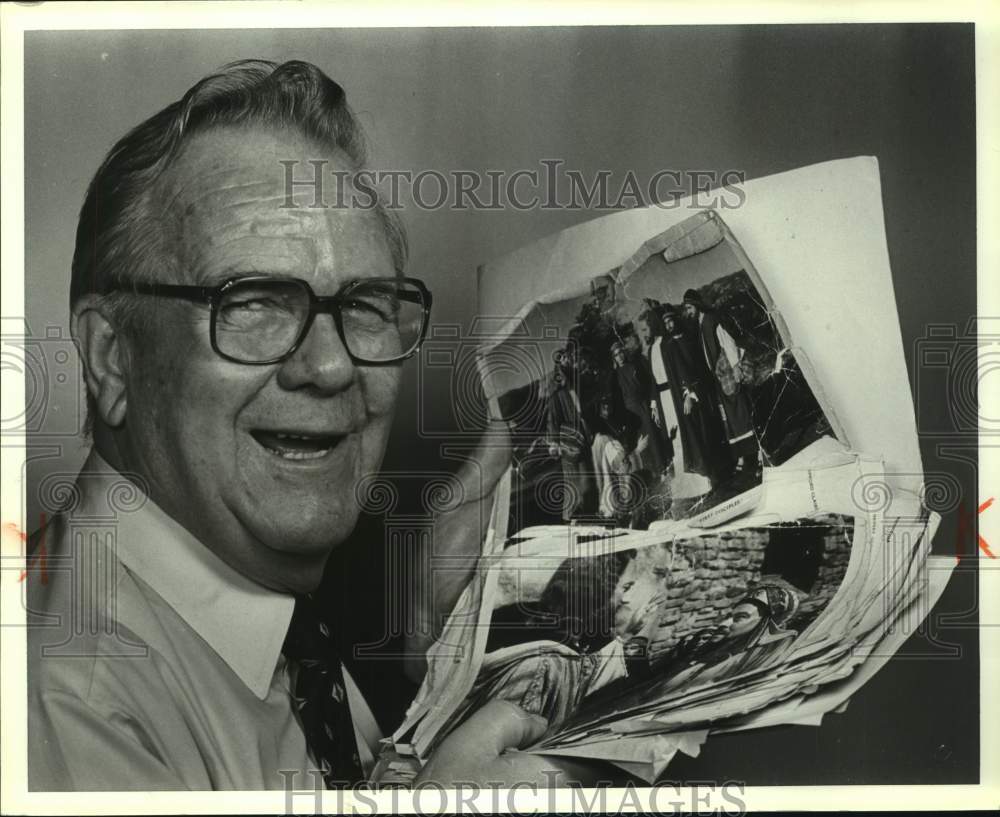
119, 236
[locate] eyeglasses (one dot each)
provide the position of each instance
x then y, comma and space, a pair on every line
263, 319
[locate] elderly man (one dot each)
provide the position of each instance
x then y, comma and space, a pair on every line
241, 349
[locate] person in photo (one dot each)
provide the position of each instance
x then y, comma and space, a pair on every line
723, 358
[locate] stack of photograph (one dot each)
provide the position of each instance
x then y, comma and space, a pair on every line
688, 539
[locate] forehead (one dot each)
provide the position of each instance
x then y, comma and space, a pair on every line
229, 210
746, 608
656, 556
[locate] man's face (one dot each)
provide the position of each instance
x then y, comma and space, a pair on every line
261, 463
744, 618
639, 583
669, 324
645, 333
619, 356
690, 311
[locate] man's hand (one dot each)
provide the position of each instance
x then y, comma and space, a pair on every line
642, 444
452, 551
481, 752
690, 402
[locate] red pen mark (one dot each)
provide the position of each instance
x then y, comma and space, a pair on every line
983, 544
40, 557
964, 526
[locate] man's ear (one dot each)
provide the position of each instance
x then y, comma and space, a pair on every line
103, 354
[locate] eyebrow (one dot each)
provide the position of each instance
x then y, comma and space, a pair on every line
216, 279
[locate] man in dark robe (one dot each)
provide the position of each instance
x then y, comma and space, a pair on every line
593, 382
700, 432
633, 386
569, 439
723, 357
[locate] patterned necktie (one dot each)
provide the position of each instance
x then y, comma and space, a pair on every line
320, 695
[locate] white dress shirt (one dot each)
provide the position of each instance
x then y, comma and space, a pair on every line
152, 664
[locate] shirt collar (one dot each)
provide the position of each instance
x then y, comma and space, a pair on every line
242, 621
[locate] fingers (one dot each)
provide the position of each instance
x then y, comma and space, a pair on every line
481, 472
458, 537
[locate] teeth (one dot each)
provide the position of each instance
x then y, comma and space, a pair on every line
303, 455
291, 446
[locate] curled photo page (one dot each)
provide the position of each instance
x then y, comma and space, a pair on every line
634, 645
619, 631
659, 392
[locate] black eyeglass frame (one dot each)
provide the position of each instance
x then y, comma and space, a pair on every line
318, 305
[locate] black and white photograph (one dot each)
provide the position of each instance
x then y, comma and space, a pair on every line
673, 389
640, 626
424, 408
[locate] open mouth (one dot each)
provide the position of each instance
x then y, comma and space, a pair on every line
296, 445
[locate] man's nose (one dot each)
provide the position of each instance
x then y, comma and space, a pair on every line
321, 362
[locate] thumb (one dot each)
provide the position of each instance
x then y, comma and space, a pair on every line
474, 747
481, 471
502, 725
460, 530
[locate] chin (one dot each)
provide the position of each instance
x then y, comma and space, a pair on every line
304, 534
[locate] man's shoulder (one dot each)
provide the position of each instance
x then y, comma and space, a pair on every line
79, 643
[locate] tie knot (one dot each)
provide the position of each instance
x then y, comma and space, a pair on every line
308, 637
